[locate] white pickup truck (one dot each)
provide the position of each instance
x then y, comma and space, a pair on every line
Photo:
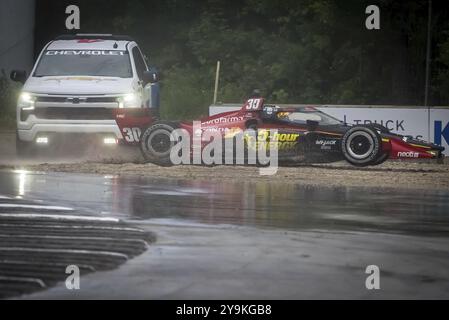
75, 86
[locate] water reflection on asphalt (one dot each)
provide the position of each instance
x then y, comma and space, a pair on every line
261, 204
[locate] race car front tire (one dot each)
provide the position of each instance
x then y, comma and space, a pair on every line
361, 146
156, 143
381, 159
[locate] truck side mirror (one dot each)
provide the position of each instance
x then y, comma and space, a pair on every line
150, 76
18, 76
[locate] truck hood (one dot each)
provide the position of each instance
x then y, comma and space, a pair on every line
79, 85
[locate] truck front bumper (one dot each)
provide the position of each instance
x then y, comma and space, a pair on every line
38, 130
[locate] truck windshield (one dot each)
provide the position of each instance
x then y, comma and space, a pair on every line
105, 63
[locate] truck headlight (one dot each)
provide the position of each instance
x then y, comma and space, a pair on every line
26, 105
130, 100
26, 101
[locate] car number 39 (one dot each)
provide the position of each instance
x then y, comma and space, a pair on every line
253, 104
131, 134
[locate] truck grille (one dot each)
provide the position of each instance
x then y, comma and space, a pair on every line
76, 99
74, 113
75, 107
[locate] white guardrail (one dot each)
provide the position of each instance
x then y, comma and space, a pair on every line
430, 124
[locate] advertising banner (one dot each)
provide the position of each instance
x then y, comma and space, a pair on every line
439, 127
411, 122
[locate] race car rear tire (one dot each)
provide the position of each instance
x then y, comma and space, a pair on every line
156, 143
361, 146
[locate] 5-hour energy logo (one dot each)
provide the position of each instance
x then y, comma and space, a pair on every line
280, 141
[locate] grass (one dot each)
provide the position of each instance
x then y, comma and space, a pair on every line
9, 92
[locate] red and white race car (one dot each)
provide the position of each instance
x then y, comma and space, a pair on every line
303, 134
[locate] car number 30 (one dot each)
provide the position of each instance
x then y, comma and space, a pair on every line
131, 134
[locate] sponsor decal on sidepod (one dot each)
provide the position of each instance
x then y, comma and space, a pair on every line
408, 154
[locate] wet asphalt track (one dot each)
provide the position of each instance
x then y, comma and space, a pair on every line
39, 240
285, 206
418, 214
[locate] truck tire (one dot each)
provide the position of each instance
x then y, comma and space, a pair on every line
361, 146
156, 144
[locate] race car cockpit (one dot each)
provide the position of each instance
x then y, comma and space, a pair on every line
298, 115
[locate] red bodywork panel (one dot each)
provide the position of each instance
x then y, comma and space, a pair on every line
132, 122
232, 121
399, 149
